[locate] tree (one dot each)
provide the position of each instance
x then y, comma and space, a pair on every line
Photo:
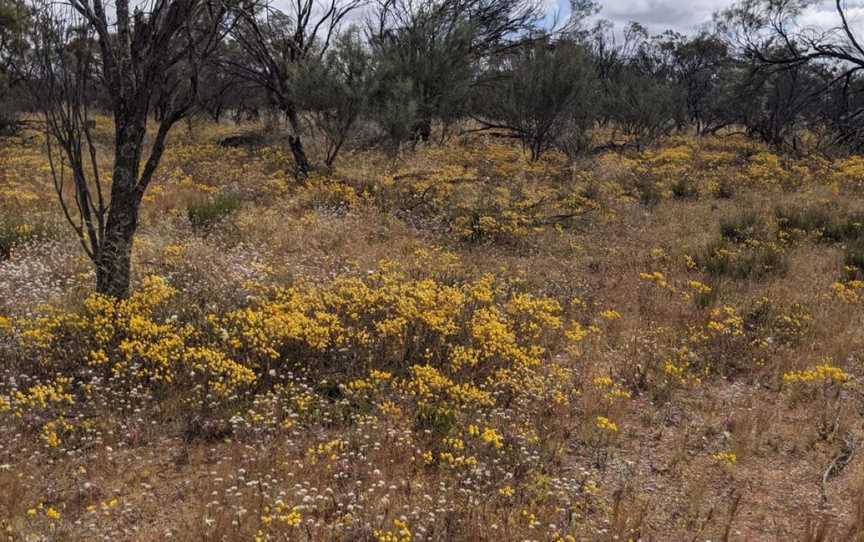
275, 44
149, 60
770, 34
221, 89
430, 55
14, 24
774, 105
639, 93
699, 66
540, 92
432, 50
336, 90
841, 112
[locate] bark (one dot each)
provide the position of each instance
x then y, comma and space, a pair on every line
113, 262
423, 128
296, 143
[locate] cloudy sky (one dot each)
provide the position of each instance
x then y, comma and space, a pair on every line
688, 15
681, 15
658, 15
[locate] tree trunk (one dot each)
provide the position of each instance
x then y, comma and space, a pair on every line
299, 155
296, 144
115, 258
423, 128
113, 262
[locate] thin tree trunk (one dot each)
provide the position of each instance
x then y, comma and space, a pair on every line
296, 143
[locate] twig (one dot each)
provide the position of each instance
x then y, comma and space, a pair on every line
837, 464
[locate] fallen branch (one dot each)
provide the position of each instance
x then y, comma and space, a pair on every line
837, 465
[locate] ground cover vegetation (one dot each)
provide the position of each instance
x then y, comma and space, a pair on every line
454, 273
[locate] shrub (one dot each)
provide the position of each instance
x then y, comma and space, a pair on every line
847, 228
206, 214
755, 261
9, 122
743, 226
853, 260
725, 189
684, 188
806, 219
650, 191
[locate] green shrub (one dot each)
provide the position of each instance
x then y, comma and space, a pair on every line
206, 214
725, 189
743, 226
853, 260
723, 258
649, 191
847, 228
806, 219
684, 188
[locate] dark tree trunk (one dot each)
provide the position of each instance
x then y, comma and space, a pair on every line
113, 263
299, 154
296, 143
423, 128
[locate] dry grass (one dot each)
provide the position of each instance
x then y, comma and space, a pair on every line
627, 386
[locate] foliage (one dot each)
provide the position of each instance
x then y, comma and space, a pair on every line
337, 91
432, 346
541, 93
207, 213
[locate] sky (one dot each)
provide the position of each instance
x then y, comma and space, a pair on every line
685, 16
688, 15
659, 15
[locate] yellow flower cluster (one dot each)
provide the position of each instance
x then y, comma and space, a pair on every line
49, 511
726, 458
131, 338
55, 392
432, 389
765, 169
726, 321
606, 424
611, 390
474, 326
678, 367
401, 532
820, 373
656, 277
848, 291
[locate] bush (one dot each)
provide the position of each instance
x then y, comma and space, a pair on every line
544, 95
809, 219
742, 226
853, 260
831, 225
684, 188
9, 107
847, 228
725, 189
8, 122
757, 261
650, 192
206, 214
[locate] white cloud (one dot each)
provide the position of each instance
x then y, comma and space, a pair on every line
659, 15
688, 15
